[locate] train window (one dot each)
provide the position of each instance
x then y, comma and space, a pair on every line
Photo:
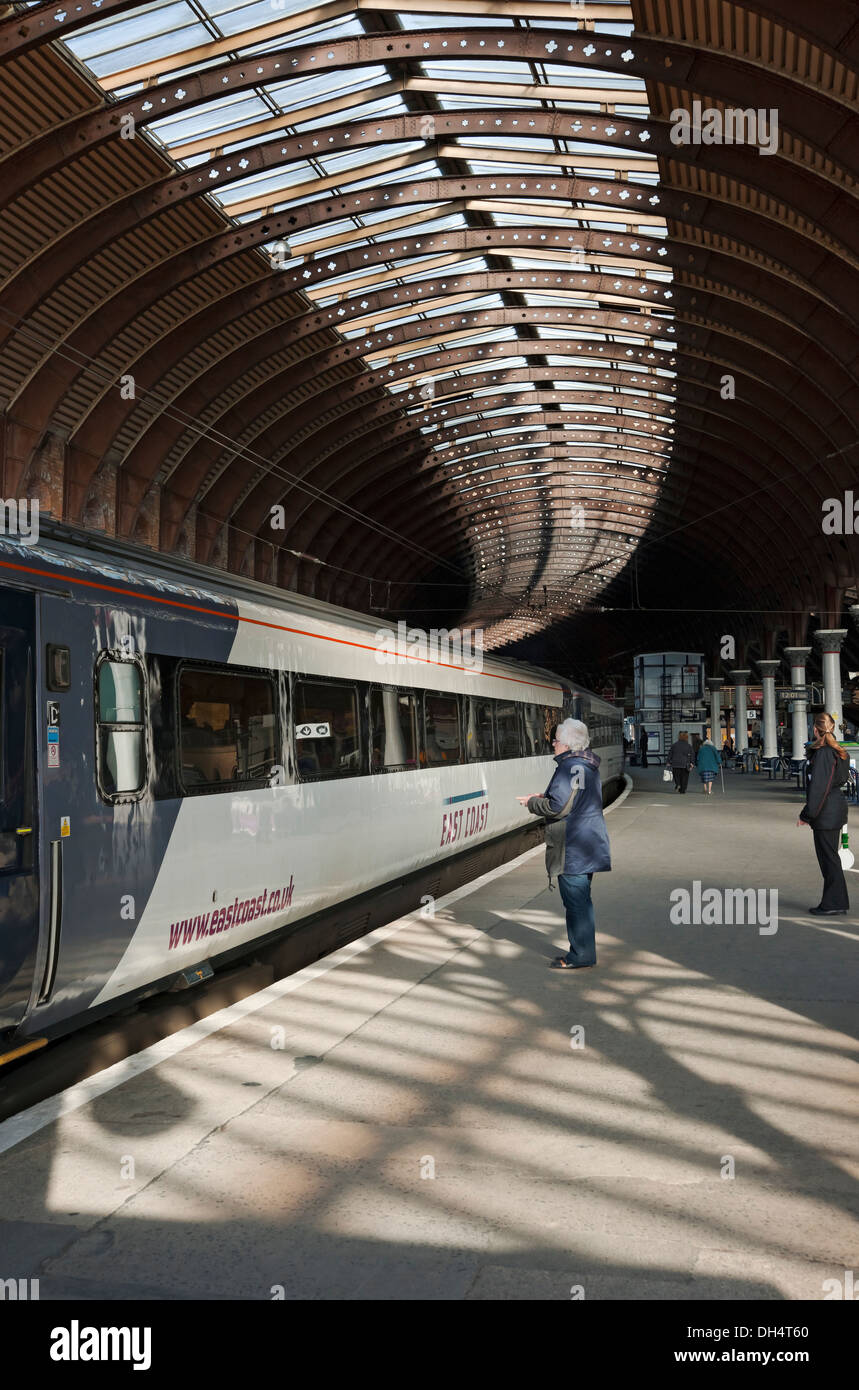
441, 722
480, 738
507, 727
393, 731
121, 753
325, 723
539, 720
227, 730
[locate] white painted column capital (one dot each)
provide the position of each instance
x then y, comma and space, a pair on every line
829, 640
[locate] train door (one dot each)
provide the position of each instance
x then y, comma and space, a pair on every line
19, 889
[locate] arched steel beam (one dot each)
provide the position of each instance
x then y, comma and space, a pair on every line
784, 179
332, 536
127, 303
635, 362
361, 462
586, 318
104, 324
204, 455
828, 120
732, 476
835, 27
828, 330
756, 366
264, 291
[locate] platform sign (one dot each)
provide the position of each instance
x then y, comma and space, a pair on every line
792, 692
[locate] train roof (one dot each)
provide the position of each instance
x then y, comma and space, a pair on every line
65, 547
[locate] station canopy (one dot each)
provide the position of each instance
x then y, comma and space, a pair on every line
427, 306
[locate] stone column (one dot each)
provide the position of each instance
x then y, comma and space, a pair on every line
797, 656
829, 641
768, 671
714, 685
740, 680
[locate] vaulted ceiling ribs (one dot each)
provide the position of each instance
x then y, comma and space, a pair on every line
435, 281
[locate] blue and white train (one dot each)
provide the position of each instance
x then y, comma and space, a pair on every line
193, 765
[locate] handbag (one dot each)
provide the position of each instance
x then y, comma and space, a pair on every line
667, 775
555, 841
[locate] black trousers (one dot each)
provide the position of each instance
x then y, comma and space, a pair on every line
826, 844
643, 758
681, 777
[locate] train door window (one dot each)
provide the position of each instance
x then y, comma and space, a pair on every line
480, 735
227, 727
507, 726
121, 753
441, 721
325, 724
539, 721
393, 731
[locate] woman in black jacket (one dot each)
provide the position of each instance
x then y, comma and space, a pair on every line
826, 811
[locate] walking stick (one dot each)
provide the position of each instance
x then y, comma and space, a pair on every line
722, 775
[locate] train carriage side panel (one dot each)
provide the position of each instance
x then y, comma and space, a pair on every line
104, 837
19, 807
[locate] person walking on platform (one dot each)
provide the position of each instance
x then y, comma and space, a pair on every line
680, 761
708, 764
643, 744
826, 811
577, 844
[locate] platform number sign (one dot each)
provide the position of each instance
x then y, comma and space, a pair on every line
312, 730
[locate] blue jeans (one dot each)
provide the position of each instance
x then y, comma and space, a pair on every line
576, 897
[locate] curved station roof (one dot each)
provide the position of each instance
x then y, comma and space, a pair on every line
438, 308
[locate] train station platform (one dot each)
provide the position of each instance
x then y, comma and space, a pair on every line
431, 1113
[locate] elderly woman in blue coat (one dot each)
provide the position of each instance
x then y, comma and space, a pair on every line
708, 764
577, 844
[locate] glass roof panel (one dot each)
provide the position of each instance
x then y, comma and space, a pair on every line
457, 352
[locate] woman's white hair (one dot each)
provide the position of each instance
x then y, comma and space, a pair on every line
574, 734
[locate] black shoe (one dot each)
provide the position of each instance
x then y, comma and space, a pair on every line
828, 911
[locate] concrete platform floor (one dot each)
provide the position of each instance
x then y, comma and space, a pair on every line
410, 1118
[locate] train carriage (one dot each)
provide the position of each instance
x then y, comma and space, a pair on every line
192, 763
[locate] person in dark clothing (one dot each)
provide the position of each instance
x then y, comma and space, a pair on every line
826, 811
643, 745
577, 844
680, 761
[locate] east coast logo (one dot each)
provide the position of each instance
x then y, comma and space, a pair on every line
76, 1343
